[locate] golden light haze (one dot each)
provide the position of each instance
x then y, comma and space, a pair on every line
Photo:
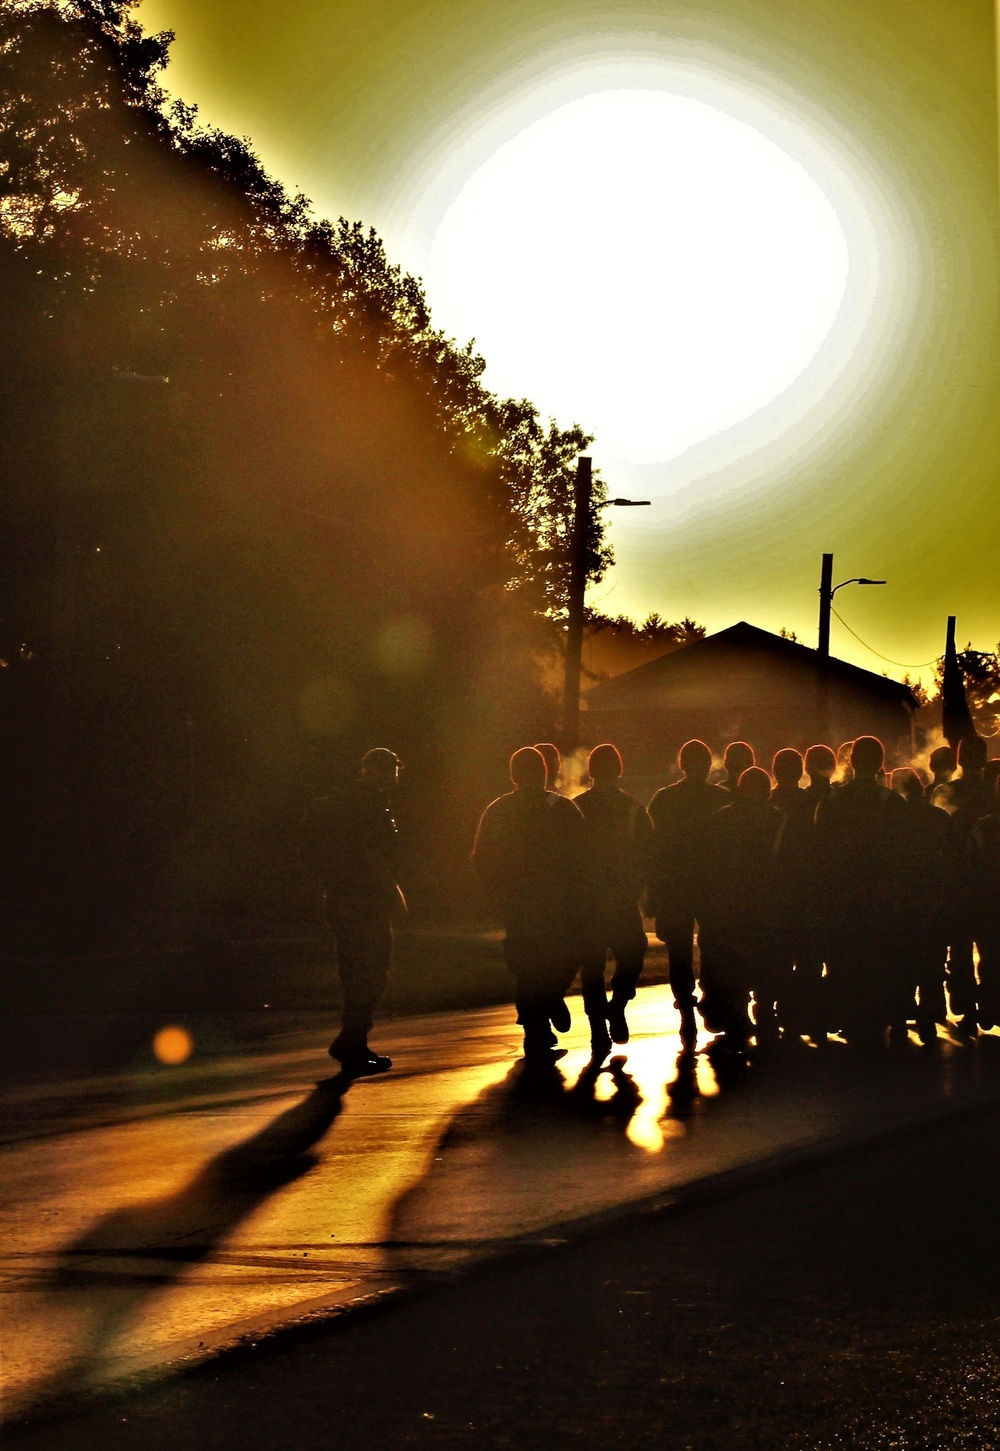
891, 459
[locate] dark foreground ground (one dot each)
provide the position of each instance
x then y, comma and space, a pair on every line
850, 1305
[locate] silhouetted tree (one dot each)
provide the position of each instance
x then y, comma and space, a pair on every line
259, 511
614, 644
981, 675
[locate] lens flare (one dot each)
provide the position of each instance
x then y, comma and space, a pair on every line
173, 1044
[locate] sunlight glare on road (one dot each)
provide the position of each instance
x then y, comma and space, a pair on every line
644, 263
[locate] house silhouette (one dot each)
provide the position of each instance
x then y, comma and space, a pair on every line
743, 683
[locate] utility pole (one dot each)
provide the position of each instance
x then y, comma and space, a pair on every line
580, 529
825, 605
827, 590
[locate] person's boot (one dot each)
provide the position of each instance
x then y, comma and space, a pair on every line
967, 1027
617, 1024
356, 1058
559, 1015
927, 1031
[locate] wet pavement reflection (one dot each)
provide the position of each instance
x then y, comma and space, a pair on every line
143, 1230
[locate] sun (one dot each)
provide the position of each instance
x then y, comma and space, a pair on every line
643, 263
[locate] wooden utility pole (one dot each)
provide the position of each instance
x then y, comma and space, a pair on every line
822, 726
579, 533
825, 605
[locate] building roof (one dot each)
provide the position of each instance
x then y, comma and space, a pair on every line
739, 655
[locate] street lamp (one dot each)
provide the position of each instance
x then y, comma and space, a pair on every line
582, 505
827, 590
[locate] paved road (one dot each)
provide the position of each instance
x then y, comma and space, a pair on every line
851, 1305
154, 1216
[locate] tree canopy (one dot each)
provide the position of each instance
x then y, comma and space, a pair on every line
260, 511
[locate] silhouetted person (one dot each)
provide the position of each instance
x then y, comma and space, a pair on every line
969, 795
983, 865
943, 763
620, 842
737, 917
820, 764
858, 842
966, 798
349, 842
811, 988
680, 814
550, 754
796, 987
926, 884
788, 796
530, 851
739, 757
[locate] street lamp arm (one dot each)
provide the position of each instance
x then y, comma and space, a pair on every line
859, 580
625, 503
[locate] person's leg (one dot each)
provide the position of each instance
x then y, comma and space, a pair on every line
595, 1000
810, 991
628, 944
725, 991
364, 954
928, 970
961, 978
540, 984
988, 942
534, 1002
675, 927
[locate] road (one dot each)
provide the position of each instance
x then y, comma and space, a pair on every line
154, 1216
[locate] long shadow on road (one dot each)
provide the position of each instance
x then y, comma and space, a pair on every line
129, 1256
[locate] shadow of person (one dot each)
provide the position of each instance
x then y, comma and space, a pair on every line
527, 1154
124, 1259
683, 1091
622, 1102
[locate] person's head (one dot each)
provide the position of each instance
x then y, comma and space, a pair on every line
739, 757
786, 768
943, 763
527, 769
867, 756
972, 752
380, 769
907, 783
605, 765
695, 760
820, 762
754, 785
553, 762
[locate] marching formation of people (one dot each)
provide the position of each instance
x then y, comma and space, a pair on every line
820, 897
810, 904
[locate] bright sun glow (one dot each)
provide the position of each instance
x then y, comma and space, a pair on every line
644, 264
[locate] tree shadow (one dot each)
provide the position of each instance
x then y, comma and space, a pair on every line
126, 1258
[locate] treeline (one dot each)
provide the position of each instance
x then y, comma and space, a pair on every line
259, 513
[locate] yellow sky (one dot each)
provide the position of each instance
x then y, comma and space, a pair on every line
379, 111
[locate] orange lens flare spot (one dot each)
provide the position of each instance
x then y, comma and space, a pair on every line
173, 1045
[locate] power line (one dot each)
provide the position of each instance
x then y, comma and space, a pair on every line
903, 665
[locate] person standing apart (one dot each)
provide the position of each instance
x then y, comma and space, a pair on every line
350, 844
